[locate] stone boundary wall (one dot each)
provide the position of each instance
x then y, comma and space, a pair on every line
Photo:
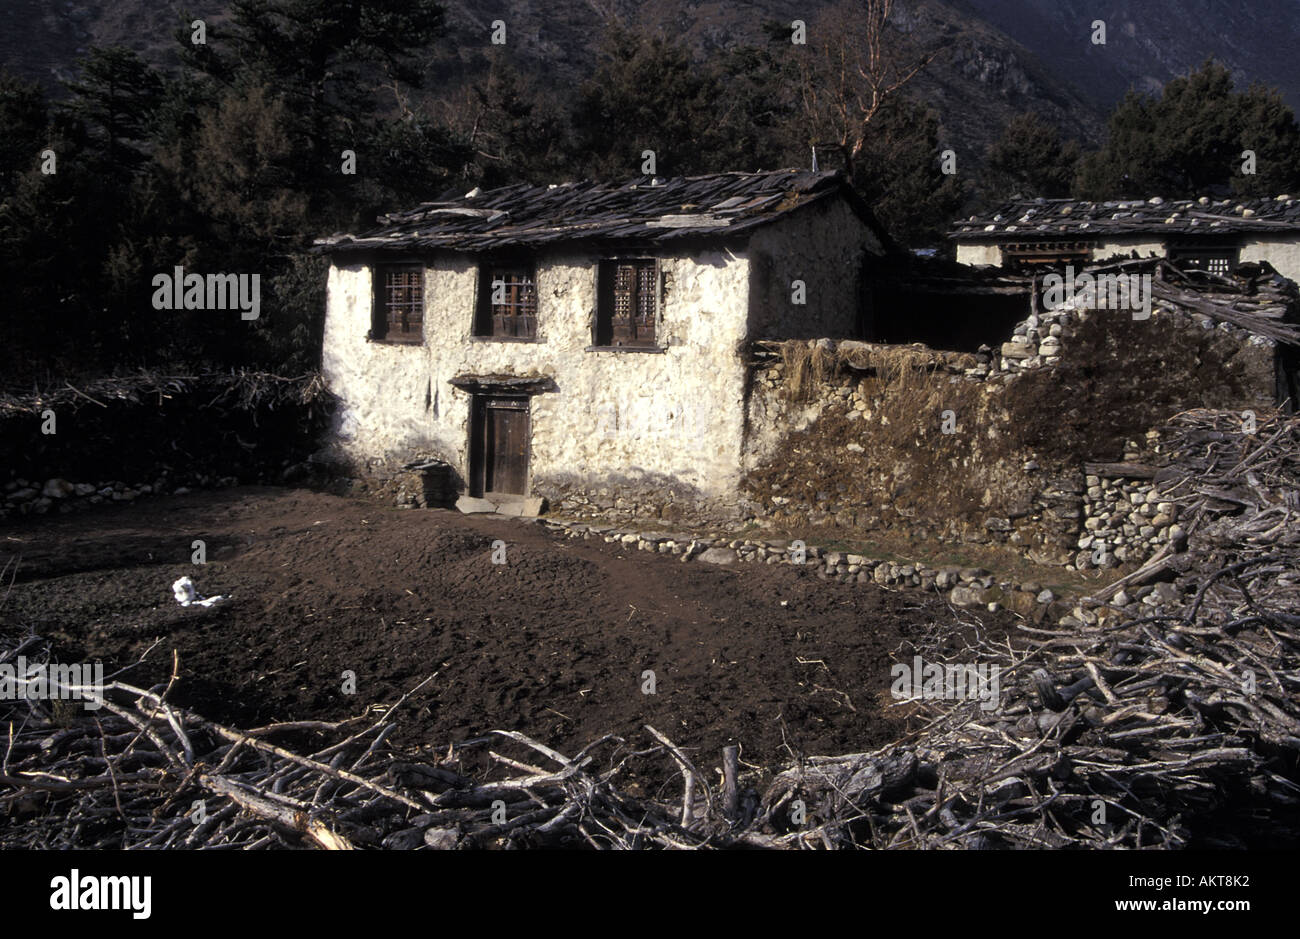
1043, 338
1054, 511
968, 588
665, 499
1124, 520
1029, 507
32, 497
122, 438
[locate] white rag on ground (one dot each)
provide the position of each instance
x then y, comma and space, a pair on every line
186, 595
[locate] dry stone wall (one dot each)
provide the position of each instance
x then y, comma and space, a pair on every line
825, 447
967, 587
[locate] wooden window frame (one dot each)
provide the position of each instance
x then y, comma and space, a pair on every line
639, 329
516, 319
382, 319
1047, 253
1206, 254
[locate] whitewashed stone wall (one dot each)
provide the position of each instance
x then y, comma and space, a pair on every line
979, 255
381, 386
1126, 247
991, 254
634, 432
621, 422
1282, 253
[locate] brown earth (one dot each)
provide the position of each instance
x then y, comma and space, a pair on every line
552, 643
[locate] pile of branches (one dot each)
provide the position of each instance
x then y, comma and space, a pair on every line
1177, 728
136, 771
242, 388
1255, 297
1142, 736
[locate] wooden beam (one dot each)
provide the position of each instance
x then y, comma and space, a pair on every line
1132, 470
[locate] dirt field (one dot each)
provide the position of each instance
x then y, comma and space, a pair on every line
552, 643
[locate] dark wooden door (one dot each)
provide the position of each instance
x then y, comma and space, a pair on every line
504, 445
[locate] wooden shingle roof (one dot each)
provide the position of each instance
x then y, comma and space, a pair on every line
715, 207
1052, 219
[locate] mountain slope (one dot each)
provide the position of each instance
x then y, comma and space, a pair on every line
999, 57
1150, 41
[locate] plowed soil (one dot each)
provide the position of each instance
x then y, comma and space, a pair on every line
553, 643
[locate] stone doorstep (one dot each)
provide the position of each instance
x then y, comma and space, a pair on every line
523, 506
513, 506
469, 505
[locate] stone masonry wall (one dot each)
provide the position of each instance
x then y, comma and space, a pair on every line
619, 429
1013, 473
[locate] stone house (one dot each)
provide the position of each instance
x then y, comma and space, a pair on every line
1212, 235
585, 342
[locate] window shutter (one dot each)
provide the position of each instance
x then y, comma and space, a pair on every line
627, 302
516, 314
646, 293
399, 303
624, 304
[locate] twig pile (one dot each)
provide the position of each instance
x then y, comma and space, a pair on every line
149, 774
1254, 298
1175, 728
243, 389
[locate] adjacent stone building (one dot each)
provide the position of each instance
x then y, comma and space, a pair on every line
1212, 235
585, 342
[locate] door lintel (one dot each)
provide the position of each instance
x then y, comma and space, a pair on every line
504, 384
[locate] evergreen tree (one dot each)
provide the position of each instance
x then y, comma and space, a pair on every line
241, 169
647, 94
332, 63
1189, 141
115, 97
1269, 129
900, 174
1029, 159
24, 114
516, 134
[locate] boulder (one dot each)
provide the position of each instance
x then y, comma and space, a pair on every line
722, 556
58, 489
964, 596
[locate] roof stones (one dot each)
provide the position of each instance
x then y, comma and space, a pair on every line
721, 205
1054, 217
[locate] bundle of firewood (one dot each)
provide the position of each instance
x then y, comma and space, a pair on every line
1155, 734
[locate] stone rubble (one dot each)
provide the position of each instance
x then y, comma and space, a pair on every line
25, 497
